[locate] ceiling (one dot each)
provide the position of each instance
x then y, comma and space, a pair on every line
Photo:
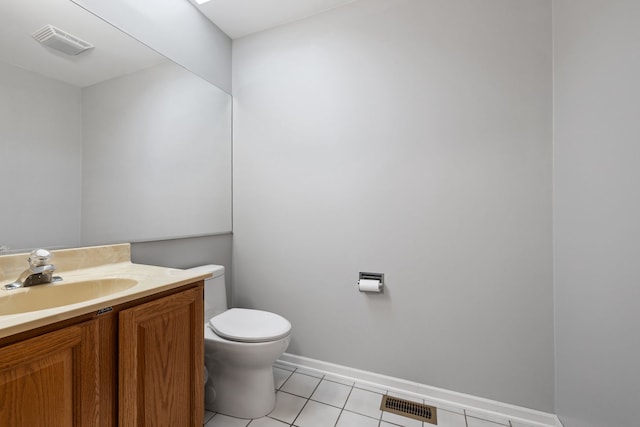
238, 18
115, 53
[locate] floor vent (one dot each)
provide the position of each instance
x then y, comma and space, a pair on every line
407, 408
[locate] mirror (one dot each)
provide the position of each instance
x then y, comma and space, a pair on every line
115, 144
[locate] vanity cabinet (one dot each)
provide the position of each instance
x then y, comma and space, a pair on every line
161, 362
135, 364
51, 380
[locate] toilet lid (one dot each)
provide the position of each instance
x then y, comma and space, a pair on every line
245, 325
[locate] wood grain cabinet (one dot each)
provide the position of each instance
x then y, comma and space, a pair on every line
161, 362
139, 364
51, 380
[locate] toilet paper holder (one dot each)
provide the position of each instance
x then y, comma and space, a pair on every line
369, 278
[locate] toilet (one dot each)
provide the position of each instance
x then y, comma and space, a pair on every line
240, 348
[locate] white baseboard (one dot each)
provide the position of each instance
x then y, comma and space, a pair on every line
434, 395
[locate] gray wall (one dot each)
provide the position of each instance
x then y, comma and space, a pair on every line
187, 253
156, 157
41, 160
177, 30
596, 209
412, 138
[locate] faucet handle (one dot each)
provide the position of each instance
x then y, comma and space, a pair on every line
39, 258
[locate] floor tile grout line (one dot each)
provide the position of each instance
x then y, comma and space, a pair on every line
499, 423
373, 389
308, 398
381, 412
302, 396
354, 385
344, 404
338, 382
285, 381
329, 404
322, 403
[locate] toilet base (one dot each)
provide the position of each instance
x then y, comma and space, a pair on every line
241, 376
241, 394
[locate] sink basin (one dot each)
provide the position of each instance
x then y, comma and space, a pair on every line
41, 297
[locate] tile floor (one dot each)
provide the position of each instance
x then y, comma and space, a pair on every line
311, 399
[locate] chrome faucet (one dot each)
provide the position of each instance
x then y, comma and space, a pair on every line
40, 271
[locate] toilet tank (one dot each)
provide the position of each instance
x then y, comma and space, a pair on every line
215, 291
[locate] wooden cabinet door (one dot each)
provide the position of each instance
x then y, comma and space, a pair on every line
51, 380
161, 362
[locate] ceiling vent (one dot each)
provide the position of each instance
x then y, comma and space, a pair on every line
60, 40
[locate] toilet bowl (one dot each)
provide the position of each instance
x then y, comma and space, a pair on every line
241, 375
241, 346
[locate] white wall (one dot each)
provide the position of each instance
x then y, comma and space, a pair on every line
596, 211
174, 28
413, 138
156, 157
40, 160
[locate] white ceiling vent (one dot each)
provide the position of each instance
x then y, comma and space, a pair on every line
60, 40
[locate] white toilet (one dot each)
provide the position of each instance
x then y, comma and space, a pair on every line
240, 348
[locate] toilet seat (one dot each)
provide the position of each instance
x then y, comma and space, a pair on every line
251, 326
